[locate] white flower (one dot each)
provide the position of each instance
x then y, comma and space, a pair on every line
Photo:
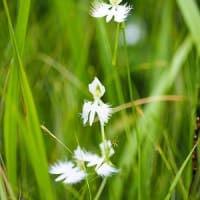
119, 12
90, 109
96, 88
68, 173
105, 170
106, 149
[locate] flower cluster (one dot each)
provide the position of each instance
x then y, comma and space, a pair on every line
91, 108
112, 10
76, 170
71, 172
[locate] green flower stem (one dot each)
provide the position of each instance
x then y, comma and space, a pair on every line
104, 142
117, 79
114, 60
103, 133
101, 189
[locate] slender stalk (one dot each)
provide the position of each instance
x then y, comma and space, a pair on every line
104, 142
53, 136
103, 133
117, 79
87, 182
100, 189
114, 60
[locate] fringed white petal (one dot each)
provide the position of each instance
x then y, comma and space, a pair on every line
112, 10
106, 170
67, 172
87, 107
104, 112
90, 109
122, 12
99, 9
75, 176
61, 167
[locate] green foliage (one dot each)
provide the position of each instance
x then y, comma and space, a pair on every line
49, 52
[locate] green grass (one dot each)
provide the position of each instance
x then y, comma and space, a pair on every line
49, 52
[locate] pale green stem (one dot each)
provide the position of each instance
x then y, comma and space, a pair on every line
103, 133
104, 142
100, 189
114, 60
116, 77
88, 188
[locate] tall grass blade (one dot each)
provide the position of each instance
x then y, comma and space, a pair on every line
178, 175
12, 97
10, 125
30, 124
191, 15
2, 190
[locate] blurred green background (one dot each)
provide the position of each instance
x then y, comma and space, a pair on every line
50, 50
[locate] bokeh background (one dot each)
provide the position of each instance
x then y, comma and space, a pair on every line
46, 63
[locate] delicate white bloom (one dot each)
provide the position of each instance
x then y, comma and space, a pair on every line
105, 170
106, 148
94, 160
85, 156
96, 88
68, 173
79, 154
75, 176
90, 109
112, 10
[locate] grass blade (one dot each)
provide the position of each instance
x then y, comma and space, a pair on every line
12, 97
191, 16
30, 125
178, 175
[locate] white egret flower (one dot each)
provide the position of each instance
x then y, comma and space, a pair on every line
91, 108
112, 10
68, 172
102, 164
105, 168
85, 156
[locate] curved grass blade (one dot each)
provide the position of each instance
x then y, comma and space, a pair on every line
12, 97
178, 175
191, 16
30, 123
